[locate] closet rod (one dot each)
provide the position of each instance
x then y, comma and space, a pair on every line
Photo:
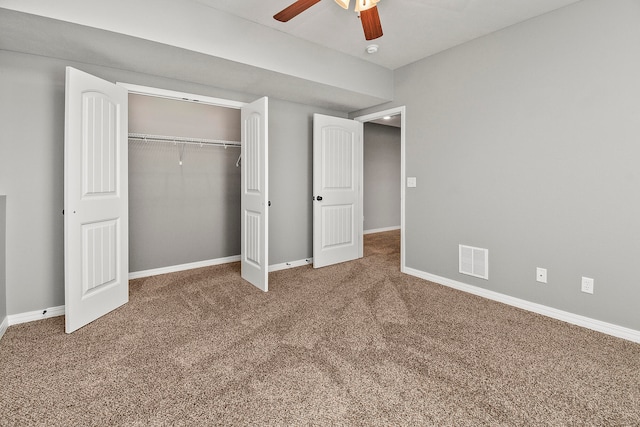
183, 140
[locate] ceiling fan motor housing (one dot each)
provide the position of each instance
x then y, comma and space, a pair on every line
366, 9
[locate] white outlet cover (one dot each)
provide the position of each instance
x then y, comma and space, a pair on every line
541, 275
587, 285
411, 181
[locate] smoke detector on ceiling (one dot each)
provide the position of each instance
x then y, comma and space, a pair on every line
372, 48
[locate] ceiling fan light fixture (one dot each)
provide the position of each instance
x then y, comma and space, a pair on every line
364, 4
366, 10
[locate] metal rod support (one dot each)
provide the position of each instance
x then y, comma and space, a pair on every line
183, 140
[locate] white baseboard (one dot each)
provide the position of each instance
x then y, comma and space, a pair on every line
381, 230
182, 267
290, 264
208, 263
31, 316
16, 319
565, 316
4, 325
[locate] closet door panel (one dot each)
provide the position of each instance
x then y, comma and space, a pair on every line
254, 198
95, 199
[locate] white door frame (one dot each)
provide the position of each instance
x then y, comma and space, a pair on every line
181, 96
378, 115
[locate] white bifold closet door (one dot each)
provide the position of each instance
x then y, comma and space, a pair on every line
337, 190
255, 195
96, 255
96, 223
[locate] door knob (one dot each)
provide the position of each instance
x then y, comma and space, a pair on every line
319, 198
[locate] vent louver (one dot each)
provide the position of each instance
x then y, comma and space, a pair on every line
474, 261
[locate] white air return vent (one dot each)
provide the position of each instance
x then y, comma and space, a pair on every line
474, 261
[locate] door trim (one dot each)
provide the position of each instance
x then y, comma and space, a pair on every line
181, 96
403, 146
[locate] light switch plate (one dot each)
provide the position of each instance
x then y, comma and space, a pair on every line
411, 181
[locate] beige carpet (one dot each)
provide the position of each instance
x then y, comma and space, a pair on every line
353, 344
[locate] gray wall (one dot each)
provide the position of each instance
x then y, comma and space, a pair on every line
290, 179
182, 214
31, 172
381, 154
526, 142
3, 232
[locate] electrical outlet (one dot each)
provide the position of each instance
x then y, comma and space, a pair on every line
587, 285
541, 275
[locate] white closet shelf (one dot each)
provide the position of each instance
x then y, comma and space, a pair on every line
182, 140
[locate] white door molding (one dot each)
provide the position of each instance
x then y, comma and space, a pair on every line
181, 96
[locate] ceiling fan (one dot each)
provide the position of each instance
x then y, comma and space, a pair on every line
366, 9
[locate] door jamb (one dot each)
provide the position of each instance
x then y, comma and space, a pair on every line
378, 115
181, 96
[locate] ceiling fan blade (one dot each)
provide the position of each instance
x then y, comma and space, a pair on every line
294, 10
371, 23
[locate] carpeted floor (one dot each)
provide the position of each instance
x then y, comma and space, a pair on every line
352, 344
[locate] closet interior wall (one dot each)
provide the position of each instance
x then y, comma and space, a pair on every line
189, 212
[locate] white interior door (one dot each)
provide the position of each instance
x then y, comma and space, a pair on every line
96, 246
337, 195
254, 250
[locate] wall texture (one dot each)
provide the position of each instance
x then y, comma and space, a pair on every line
3, 253
185, 213
525, 142
229, 51
381, 176
31, 172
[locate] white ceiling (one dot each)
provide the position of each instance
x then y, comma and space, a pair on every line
394, 121
413, 29
318, 58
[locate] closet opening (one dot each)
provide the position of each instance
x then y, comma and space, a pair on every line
184, 184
